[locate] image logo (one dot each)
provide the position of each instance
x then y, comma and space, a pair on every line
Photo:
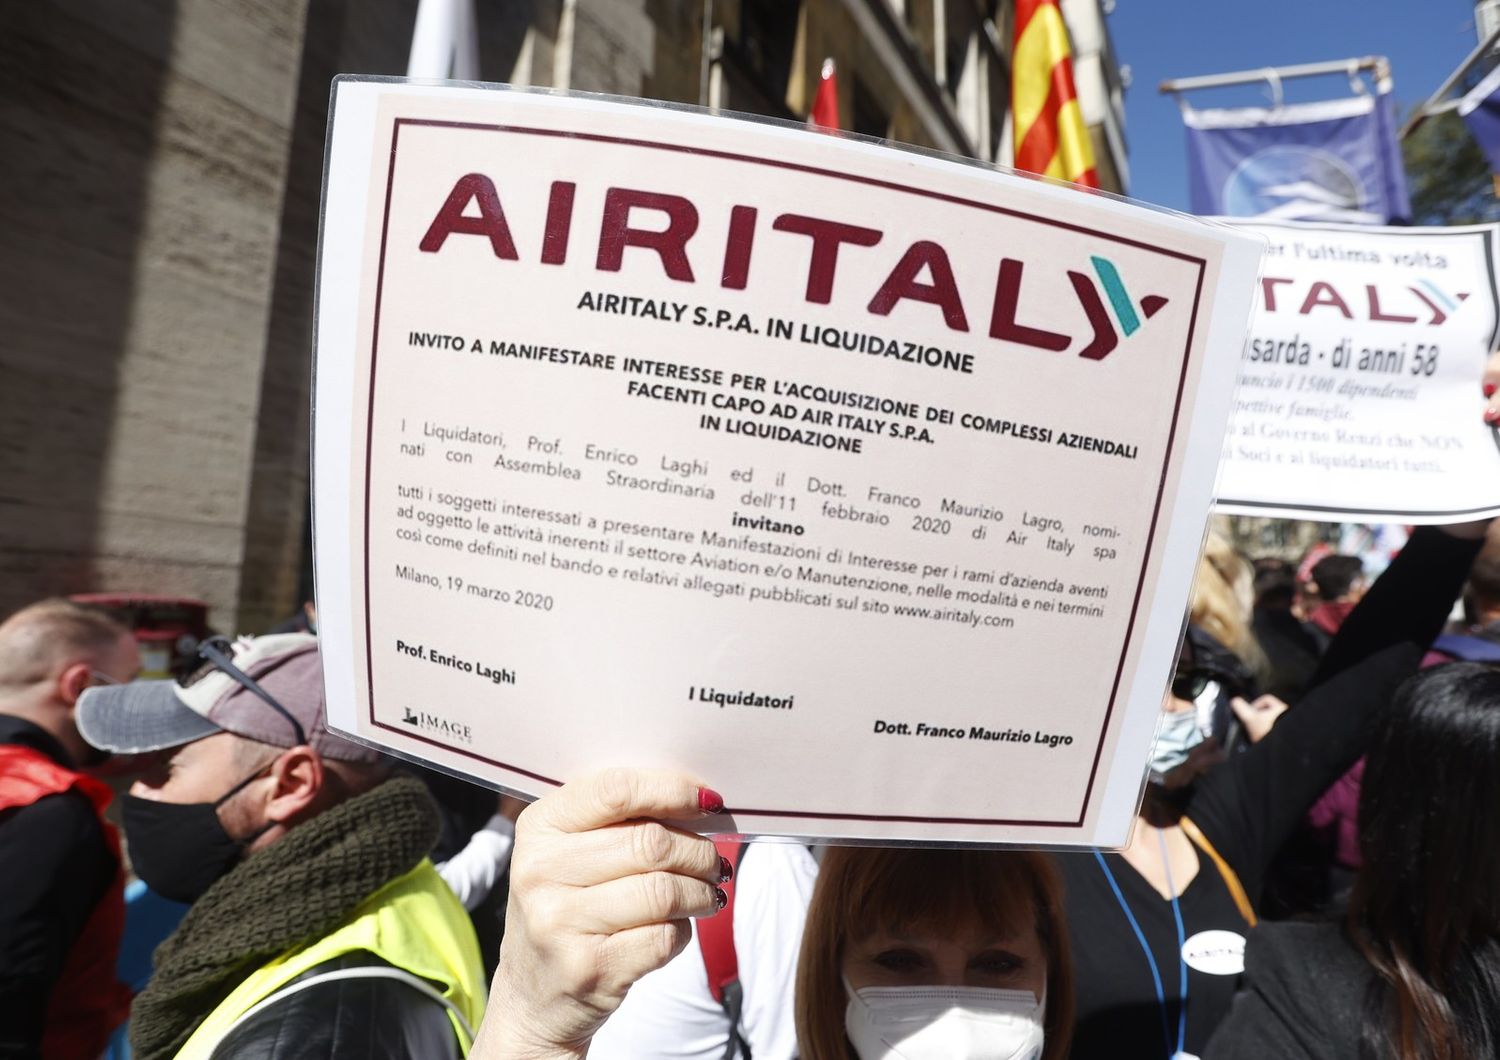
1292, 183
436, 725
1121, 311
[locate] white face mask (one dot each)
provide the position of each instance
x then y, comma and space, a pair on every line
944, 1023
1177, 734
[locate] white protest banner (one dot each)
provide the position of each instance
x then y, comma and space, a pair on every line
865, 485
1360, 390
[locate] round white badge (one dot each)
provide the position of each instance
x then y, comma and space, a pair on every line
1215, 953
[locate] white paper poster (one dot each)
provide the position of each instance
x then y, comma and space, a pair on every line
1360, 387
865, 485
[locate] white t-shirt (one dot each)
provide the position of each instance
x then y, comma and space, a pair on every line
671, 1014
472, 872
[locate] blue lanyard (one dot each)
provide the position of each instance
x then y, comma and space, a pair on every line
1140, 937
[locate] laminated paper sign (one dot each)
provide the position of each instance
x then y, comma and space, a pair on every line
863, 484
1360, 387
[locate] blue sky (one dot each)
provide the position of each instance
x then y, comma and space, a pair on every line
1163, 39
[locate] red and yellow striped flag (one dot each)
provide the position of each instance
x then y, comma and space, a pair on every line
1051, 137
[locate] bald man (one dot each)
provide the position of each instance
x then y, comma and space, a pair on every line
61, 899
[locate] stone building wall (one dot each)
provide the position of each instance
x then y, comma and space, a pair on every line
163, 166
144, 168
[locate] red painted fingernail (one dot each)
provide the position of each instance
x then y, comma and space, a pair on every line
1491, 416
710, 801
720, 898
1489, 390
726, 870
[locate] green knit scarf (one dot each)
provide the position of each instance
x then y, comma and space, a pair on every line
293, 891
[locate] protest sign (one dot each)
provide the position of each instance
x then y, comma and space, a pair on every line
1360, 389
864, 484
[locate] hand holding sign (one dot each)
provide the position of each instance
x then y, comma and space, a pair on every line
600, 894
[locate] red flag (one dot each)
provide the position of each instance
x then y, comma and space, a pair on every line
825, 108
1051, 137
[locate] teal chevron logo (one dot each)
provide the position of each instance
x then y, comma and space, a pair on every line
1122, 313
1438, 300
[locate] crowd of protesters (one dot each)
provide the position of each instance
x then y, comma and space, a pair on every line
1314, 870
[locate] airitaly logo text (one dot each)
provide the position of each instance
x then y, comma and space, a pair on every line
661, 231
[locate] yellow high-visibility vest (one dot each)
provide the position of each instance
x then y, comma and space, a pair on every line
414, 922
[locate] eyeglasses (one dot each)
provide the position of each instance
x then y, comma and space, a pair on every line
1190, 684
217, 654
103, 678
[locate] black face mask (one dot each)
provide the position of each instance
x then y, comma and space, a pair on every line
181, 849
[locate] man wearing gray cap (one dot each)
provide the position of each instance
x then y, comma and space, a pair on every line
319, 928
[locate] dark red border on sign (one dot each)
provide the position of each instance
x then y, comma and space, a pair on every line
522, 130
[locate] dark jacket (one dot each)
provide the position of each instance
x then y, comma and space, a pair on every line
1302, 997
1247, 807
1292, 652
55, 869
334, 893
351, 1019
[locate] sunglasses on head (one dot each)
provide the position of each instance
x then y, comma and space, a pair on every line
217, 653
1190, 684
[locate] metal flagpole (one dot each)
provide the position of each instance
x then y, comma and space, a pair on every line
1378, 65
1435, 103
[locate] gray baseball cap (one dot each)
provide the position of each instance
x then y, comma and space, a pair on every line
147, 716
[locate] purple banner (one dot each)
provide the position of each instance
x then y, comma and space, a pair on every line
1333, 161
